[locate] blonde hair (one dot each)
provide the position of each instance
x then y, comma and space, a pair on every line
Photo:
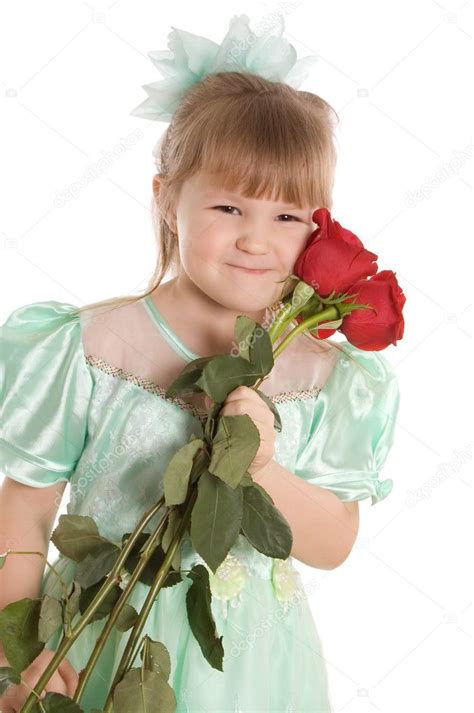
257, 137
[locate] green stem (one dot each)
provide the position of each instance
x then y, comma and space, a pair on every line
129, 652
39, 701
326, 315
112, 579
144, 557
274, 330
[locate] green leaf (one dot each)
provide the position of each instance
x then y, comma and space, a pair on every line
143, 691
243, 331
201, 621
224, 374
153, 565
234, 448
126, 618
176, 475
264, 526
263, 492
104, 609
261, 351
248, 481
272, 408
72, 602
187, 377
155, 657
201, 461
57, 703
211, 423
76, 535
19, 632
184, 384
3, 559
50, 619
174, 518
215, 519
8, 677
301, 295
289, 284
97, 563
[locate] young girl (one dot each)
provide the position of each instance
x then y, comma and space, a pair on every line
240, 171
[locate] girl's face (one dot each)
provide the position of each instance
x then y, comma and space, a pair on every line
218, 231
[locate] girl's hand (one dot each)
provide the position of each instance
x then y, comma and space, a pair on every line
244, 400
64, 680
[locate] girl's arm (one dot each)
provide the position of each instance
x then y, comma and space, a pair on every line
27, 516
324, 527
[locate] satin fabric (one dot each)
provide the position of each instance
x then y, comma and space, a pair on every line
63, 419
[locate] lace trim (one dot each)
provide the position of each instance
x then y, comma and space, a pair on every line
150, 386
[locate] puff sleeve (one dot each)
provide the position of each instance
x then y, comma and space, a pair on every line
45, 390
350, 428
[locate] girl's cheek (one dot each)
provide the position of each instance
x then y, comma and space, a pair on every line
214, 236
195, 236
204, 243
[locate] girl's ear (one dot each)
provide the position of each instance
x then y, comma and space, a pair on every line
156, 184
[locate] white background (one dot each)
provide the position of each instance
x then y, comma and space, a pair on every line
396, 618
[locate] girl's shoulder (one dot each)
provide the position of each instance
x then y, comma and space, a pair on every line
45, 389
40, 317
350, 427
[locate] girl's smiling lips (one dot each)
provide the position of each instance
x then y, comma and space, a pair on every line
248, 270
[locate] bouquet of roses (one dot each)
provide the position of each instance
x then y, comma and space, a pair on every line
207, 490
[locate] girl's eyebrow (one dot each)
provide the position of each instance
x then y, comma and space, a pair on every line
237, 196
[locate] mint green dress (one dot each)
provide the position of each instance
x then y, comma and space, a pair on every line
67, 416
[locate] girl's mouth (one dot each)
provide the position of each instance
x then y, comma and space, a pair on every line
248, 271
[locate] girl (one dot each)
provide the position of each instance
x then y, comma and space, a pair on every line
240, 171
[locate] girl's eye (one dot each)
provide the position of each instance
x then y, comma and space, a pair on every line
225, 206
282, 214
293, 217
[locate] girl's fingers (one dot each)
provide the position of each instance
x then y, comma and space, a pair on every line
259, 414
69, 675
246, 405
64, 680
57, 684
4, 706
15, 697
243, 392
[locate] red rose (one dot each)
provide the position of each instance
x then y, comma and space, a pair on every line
333, 257
370, 329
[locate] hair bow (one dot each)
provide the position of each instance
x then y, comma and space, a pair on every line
191, 57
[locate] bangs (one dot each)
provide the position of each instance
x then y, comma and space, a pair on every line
261, 150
